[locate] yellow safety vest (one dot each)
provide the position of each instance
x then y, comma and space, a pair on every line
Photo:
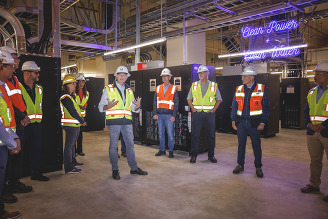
34, 110
119, 110
67, 119
5, 115
207, 102
83, 102
318, 111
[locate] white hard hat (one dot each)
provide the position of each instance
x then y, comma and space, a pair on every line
122, 69
166, 71
202, 68
9, 49
2, 56
30, 66
80, 77
8, 59
249, 70
322, 66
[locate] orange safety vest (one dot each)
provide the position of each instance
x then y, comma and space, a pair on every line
10, 106
255, 101
165, 100
15, 94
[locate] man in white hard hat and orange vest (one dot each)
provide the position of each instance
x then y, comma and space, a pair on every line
32, 95
316, 120
203, 98
250, 111
165, 109
118, 103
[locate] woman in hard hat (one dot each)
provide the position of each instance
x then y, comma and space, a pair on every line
71, 121
82, 97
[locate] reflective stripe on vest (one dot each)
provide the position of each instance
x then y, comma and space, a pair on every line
67, 119
82, 102
7, 110
119, 110
207, 102
165, 101
255, 100
33, 109
318, 111
15, 94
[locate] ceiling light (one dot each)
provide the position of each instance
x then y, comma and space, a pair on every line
219, 68
276, 72
147, 43
69, 66
262, 51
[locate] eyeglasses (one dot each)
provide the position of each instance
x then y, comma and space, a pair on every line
36, 72
8, 65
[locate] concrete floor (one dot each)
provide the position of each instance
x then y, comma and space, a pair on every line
175, 188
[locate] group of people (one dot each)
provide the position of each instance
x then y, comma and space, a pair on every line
21, 117
20, 127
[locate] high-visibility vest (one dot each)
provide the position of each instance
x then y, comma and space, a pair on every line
207, 102
83, 102
67, 119
119, 110
318, 111
15, 94
255, 103
33, 110
7, 111
165, 100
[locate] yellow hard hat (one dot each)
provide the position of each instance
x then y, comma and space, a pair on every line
69, 79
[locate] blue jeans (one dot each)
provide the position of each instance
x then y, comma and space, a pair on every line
244, 129
123, 146
114, 134
164, 122
72, 133
3, 163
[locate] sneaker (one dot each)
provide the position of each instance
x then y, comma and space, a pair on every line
14, 214
193, 160
77, 164
75, 171
39, 177
238, 169
309, 189
116, 175
160, 153
138, 171
19, 187
171, 154
259, 172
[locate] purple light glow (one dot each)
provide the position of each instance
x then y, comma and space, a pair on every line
273, 26
224, 9
274, 54
255, 56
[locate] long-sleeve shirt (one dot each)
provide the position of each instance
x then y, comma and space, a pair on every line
69, 105
104, 101
246, 109
6, 137
166, 111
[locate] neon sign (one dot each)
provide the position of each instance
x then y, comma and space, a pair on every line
273, 26
276, 53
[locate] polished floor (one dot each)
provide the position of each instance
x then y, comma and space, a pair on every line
175, 188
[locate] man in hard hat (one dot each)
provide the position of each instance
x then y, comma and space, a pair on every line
118, 103
14, 167
315, 118
165, 109
9, 141
250, 111
203, 98
32, 96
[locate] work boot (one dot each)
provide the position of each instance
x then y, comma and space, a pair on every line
259, 172
19, 187
238, 169
193, 160
171, 154
160, 153
8, 198
14, 214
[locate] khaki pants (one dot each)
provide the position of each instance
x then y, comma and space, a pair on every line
316, 146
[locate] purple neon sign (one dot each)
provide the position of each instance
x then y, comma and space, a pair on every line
273, 26
275, 54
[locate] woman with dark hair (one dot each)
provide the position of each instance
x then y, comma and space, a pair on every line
71, 121
82, 97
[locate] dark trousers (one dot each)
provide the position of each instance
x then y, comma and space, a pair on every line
3, 162
72, 134
33, 143
197, 121
14, 169
79, 141
245, 129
